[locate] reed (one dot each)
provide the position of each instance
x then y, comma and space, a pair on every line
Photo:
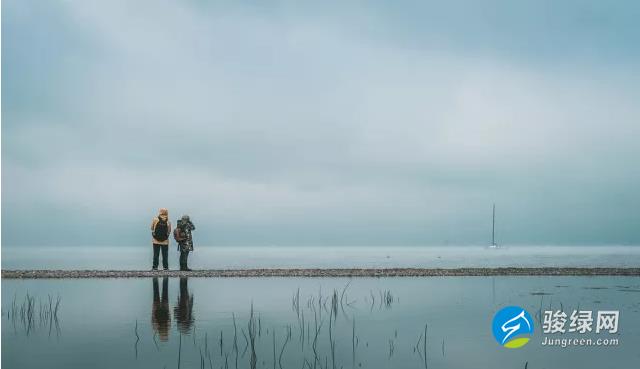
251, 329
137, 338
32, 313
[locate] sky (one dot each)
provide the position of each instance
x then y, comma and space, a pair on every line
321, 123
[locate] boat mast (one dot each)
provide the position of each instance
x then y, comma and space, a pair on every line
493, 228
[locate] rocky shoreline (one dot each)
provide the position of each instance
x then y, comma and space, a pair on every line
356, 272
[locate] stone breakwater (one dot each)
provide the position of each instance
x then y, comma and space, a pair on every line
355, 272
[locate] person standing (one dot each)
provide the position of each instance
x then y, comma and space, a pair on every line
160, 231
183, 236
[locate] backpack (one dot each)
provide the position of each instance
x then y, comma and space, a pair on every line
178, 235
161, 231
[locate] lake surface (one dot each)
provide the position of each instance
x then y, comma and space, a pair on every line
305, 322
139, 258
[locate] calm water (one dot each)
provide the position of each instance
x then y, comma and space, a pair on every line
375, 323
321, 257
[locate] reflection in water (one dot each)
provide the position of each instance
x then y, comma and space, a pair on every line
183, 311
160, 317
323, 324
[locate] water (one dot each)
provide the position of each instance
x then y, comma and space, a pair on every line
137, 258
146, 323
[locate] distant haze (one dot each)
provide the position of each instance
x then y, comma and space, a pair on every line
339, 123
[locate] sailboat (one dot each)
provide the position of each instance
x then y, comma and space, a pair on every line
493, 245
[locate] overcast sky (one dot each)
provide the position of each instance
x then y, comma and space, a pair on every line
339, 123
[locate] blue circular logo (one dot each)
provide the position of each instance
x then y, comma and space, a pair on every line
512, 327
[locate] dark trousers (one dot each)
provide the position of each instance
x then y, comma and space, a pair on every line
165, 255
183, 259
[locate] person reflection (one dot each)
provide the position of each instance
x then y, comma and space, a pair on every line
183, 311
160, 317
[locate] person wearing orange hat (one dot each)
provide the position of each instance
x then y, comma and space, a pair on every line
160, 231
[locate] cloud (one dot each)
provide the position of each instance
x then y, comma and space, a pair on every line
288, 125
